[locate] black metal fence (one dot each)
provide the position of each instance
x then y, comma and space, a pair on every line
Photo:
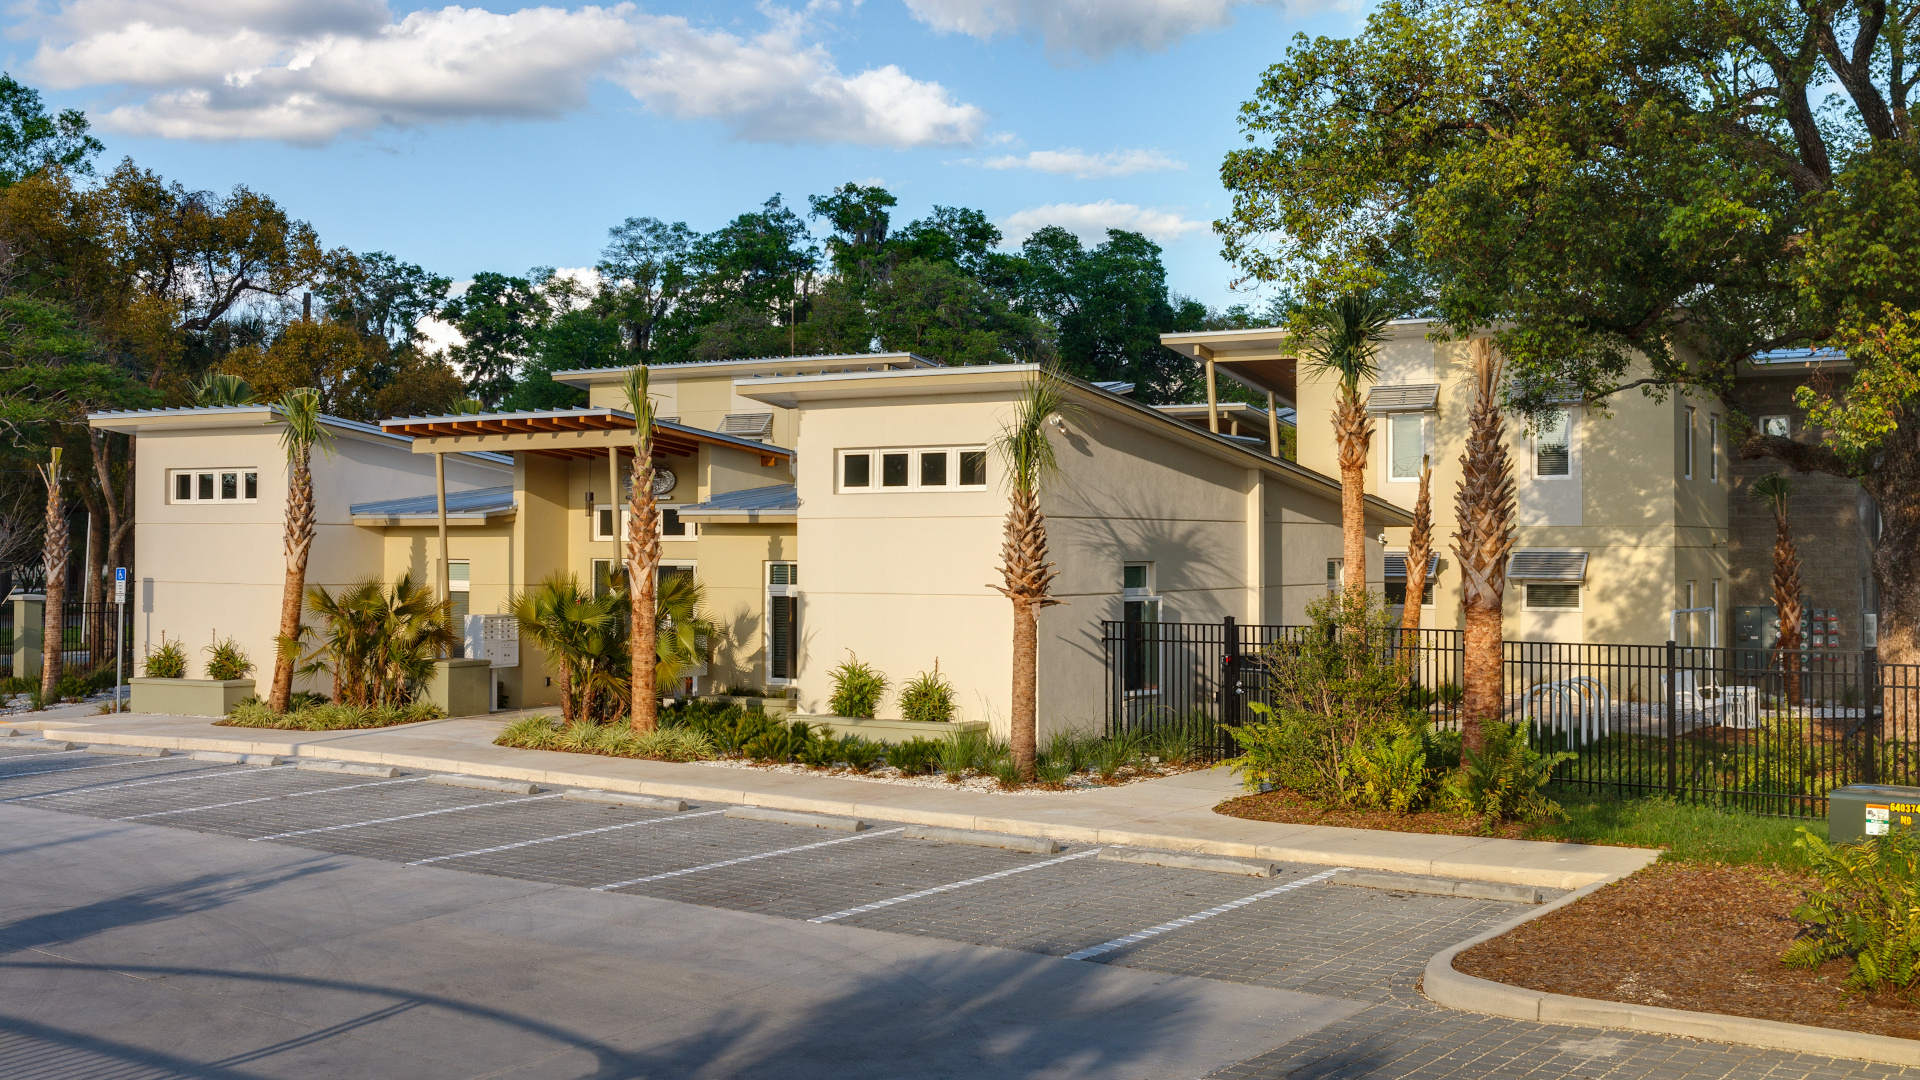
89, 637
1761, 730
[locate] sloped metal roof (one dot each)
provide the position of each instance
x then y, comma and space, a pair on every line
778, 498
1532, 564
1413, 397
479, 501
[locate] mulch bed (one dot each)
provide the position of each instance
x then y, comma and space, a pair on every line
1703, 938
1294, 809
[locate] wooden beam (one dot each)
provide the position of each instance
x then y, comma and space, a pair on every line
1213, 390
1273, 425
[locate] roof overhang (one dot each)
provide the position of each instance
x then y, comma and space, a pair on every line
1412, 397
749, 367
454, 520
564, 433
1263, 359
239, 417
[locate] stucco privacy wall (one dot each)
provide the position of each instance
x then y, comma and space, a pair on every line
1647, 526
218, 568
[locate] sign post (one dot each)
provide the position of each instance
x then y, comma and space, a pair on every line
119, 630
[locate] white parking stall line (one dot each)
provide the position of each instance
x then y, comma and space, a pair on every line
37, 755
1199, 916
949, 887
747, 859
566, 836
84, 768
403, 817
269, 798
210, 774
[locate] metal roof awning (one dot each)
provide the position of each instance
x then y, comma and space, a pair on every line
777, 502
477, 507
756, 425
1413, 397
569, 433
1533, 564
1397, 566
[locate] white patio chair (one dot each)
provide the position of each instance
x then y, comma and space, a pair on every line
1729, 706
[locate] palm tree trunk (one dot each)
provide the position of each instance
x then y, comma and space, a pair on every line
643, 582
1353, 430
1786, 598
1027, 575
54, 555
1484, 511
1419, 551
297, 542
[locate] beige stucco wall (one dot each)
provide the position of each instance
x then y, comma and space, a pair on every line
1647, 528
701, 401
209, 569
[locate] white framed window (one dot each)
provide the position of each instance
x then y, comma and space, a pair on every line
1713, 446
783, 622
1691, 413
926, 468
1406, 446
1553, 445
1553, 596
603, 576
1334, 567
669, 518
232, 485
1781, 426
1140, 645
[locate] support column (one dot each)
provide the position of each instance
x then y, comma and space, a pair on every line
440, 492
1213, 392
1273, 424
1256, 564
613, 496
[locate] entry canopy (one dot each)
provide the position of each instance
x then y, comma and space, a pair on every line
567, 433
1261, 359
1536, 564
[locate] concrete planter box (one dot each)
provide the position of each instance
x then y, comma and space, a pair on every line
890, 731
462, 687
189, 697
772, 706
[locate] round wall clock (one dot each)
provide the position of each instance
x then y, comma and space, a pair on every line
663, 481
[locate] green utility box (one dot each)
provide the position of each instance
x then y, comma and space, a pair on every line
1858, 811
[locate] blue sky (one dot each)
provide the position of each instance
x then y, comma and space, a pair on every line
508, 136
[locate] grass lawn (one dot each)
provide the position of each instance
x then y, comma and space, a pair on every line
1689, 832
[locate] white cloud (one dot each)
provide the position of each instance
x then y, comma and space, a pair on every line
308, 71
775, 88
1091, 28
1090, 221
1076, 162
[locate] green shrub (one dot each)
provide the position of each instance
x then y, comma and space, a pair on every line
960, 752
1866, 909
778, 743
255, 713
857, 688
169, 661
915, 756
861, 754
72, 687
817, 752
1006, 773
1179, 742
1504, 780
1390, 771
227, 660
1070, 749
14, 684
612, 740
1052, 773
1112, 754
928, 697
530, 733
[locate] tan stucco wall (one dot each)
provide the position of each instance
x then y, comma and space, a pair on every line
1646, 527
211, 568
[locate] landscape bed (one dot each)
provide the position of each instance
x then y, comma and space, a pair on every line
1698, 937
255, 714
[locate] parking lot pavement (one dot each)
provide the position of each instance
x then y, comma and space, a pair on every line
1294, 933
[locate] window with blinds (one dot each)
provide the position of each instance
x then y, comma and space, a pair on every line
1553, 447
783, 622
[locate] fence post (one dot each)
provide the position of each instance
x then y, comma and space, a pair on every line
1229, 671
1870, 731
1673, 722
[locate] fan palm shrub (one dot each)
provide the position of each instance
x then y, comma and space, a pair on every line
1027, 576
1342, 340
378, 644
221, 389
299, 414
584, 639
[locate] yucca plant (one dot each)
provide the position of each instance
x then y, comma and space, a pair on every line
1775, 492
227, 660
857, 688
1027, 576
1342, 340
302, 429
927, 697
1483, 510
169, 661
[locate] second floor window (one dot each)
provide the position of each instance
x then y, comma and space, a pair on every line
1553, 447
1406, 445
216, 485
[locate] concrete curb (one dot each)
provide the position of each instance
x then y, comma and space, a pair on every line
1471, 890
1457, 990
1033, 845
514, 787
615, 798
350, 769
130, 751
787, 817
1212, 863
228, 757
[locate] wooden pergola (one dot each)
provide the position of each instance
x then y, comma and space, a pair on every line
561, 433
1261, 360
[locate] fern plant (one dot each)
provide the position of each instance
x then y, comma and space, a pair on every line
227, 660
1504, 779
857, 688
928, 698
1867, 908
169, 661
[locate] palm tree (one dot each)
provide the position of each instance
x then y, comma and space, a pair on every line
1028, 453
1483, 509
53, 560
218, 388
1419, 549
1342, 340
582, 636
643, 556
299, 412
1775, 491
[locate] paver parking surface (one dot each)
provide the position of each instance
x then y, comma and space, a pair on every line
1360, 946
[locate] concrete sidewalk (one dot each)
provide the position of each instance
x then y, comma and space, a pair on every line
1173, 813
